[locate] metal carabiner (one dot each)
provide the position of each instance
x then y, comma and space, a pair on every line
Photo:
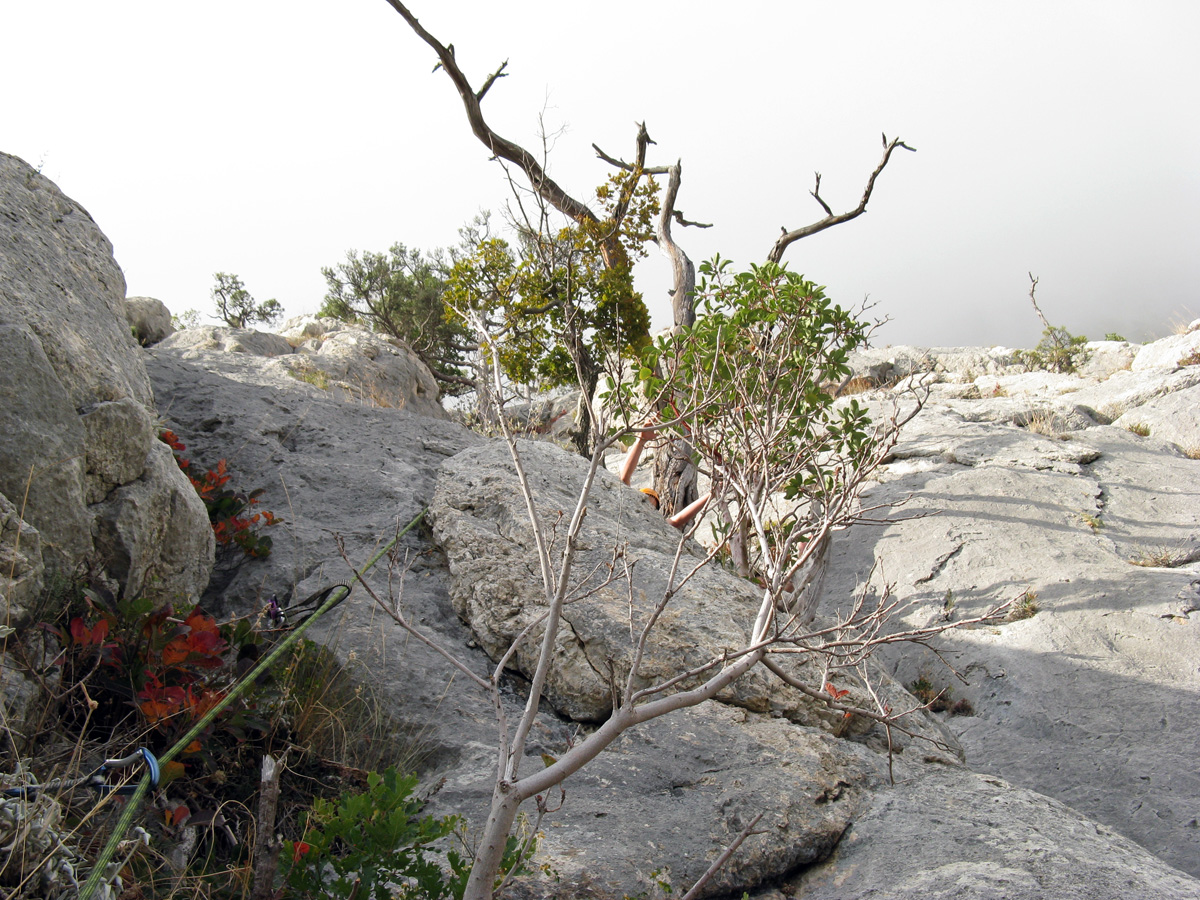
151, 761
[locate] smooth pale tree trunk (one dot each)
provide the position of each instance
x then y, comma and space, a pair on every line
486, 868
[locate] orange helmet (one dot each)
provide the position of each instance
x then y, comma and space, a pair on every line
653, 495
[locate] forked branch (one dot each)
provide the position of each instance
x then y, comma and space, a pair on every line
789, 237
498, 146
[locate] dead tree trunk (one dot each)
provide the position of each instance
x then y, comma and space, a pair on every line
675, 475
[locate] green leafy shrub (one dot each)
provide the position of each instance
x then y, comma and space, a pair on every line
751, 378
365, 841
400, 293
1057, 351
189, 318
1113, 336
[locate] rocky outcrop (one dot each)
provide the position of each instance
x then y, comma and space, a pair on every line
480, 521
1093, 700
340, 475
191, 342
672, 794
361, 366
348, 362
958, 834
668, 796
149, 320
77, 421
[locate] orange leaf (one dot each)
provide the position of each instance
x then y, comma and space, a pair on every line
175, 652
199, 622
834, 692
100, 631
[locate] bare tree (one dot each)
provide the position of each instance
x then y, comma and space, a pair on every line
758, 455
675, 477
790, 472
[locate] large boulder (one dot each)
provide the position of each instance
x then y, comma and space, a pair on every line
361, 366
77, 420
149, 320
1173, 417
218, 338
22, 581
480, 520
347, 361
1168, 352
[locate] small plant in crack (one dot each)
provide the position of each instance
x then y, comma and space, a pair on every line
1026, 607
1164, 557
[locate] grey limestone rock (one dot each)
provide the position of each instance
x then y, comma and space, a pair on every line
219, 338
1106, 358
1167, 352
1066, 702
956, 834
1173, 417
1094, 699
42, 452
119, 436
669, 796
22, 579
154, 534
76, 421
347, 361
22, 571
149, 319
480, 521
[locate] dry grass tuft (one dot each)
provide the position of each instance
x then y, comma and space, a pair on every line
859, 384
1139, 428
1164, 557
1046, 423
1026, 607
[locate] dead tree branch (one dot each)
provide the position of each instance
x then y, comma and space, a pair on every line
498, 146
1033, 283
789, 237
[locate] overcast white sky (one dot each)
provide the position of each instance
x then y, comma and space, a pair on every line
266, 138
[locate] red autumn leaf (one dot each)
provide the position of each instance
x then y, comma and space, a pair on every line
100, 631
299, 849
80, 632
157, 710
178, 815
834, 692
197, 621
175, 652
206, 701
